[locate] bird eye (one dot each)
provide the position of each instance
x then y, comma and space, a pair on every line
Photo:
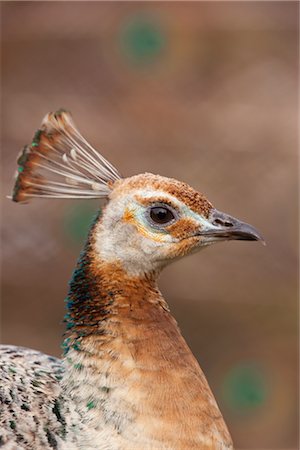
161, 215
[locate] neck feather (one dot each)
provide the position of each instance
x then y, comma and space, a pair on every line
101, 290
122, 341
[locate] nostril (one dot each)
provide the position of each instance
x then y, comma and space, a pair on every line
218, 222
224, 223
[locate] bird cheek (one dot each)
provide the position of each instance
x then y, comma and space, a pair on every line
183, 229
148, 247
183, 247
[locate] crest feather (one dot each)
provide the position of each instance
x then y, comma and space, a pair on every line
60, 163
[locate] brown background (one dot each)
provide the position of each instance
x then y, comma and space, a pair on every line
203, 92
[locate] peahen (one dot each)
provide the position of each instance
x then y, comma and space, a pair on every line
127, 380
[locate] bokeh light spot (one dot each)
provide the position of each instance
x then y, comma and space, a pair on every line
77, 221
142, 40
245, 388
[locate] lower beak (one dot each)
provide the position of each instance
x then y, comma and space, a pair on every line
221, 226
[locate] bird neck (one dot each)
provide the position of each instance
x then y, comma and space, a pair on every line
121, 341
102, 291
110, 311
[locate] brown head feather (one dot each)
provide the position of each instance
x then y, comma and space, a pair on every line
182, 191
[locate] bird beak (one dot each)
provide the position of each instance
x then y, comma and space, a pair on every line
222, 227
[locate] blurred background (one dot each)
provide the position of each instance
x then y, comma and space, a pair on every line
203, 92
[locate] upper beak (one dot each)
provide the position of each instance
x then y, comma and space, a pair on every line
224, 227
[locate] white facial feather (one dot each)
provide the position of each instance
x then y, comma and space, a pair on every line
138, 247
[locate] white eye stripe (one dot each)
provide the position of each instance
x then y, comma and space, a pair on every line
203, 221
161, 196
185, 210
180, 206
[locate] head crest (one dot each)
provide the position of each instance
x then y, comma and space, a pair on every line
60, 163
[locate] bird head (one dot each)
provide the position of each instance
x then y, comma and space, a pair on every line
148, 221
152, 220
